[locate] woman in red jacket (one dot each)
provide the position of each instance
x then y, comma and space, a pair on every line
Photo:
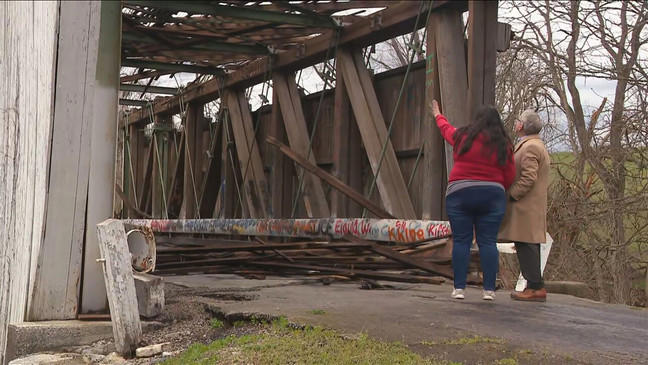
476, 196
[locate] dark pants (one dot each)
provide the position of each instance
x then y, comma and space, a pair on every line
479, 209
529, 257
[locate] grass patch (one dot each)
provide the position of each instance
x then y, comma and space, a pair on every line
216, 323
280, 344
239, 324
471, 340
318, 312
508, 361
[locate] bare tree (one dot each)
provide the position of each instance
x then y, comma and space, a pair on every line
576, 40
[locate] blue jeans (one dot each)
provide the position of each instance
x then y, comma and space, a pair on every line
480, 208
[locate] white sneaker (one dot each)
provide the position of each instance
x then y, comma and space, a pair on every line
457, 294
488, 295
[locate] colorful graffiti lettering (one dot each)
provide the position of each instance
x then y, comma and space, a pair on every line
392, 230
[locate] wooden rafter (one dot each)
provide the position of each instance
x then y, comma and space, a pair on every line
396, 20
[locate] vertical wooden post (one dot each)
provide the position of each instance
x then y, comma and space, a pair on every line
482, 53
433, 161
448, 24
57, 277
159, 176
228, 197
190, 185
347, 150
132, 147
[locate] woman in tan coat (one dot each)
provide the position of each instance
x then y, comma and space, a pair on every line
525, 221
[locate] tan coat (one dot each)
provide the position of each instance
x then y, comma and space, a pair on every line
526, 217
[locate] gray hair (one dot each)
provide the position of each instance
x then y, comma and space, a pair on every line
531, 123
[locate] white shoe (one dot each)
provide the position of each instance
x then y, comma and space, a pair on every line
488, 295
457, 294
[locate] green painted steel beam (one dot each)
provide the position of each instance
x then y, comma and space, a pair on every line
149, 89
207, 45
177, 67
248, 13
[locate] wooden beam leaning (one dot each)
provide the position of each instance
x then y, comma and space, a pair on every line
452, 69
330, 179
371, 124
293, 116
403, 258
396, 20
120, 285
254, 185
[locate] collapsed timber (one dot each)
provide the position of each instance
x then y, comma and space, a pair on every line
413, 251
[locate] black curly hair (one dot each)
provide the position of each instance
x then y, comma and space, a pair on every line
487, 120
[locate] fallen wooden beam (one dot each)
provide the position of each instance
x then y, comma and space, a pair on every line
330, 179
352, 273
120, 285
405, 259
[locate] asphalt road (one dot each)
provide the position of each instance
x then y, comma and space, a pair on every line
575, 328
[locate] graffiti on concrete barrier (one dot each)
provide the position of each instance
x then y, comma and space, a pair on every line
388, 230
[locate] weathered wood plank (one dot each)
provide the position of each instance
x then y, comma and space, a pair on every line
56, 286
102, 160
120, 285
482, 53
433, 192
397, 20
293, 116
28, 38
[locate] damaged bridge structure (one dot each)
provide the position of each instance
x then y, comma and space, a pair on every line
237, 165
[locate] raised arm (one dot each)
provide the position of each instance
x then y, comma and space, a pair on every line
447, 130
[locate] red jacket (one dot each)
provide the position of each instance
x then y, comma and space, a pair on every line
477, 163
